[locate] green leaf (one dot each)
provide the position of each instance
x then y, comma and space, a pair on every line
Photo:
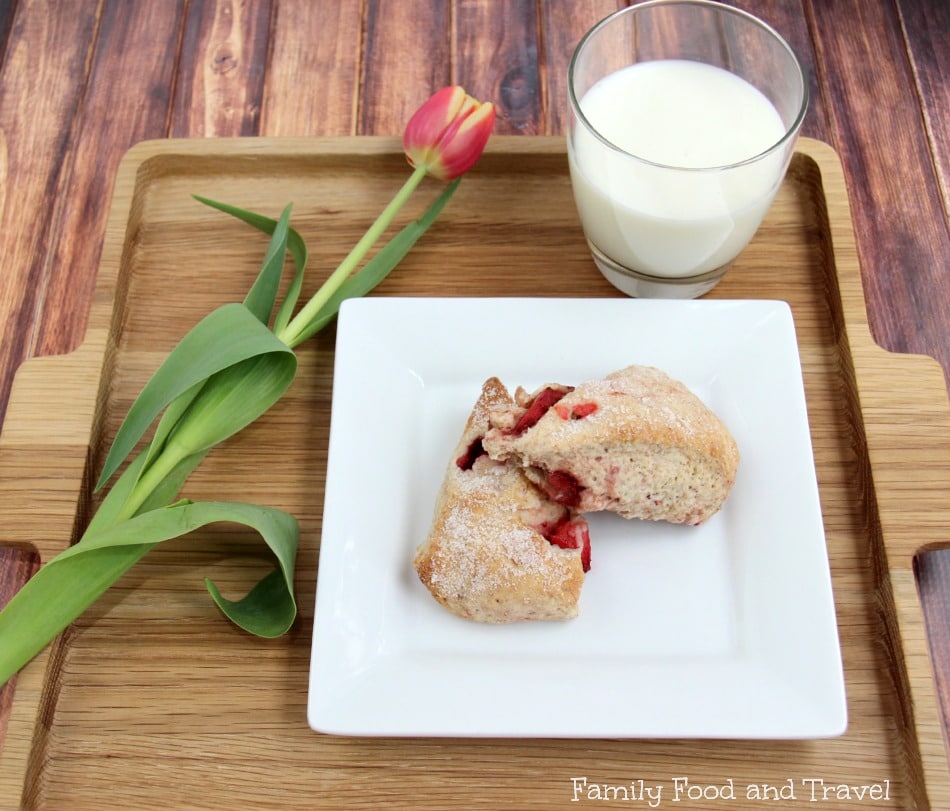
295, 244
170, 416
230, 400
225, 337
267, 610
110, 510
73, 580
379, 267
263, 293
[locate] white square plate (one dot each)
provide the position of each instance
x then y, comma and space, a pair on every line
725, 630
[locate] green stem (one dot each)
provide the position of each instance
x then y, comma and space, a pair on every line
290, 335
150, 479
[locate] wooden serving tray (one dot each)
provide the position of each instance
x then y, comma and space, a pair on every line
152, 699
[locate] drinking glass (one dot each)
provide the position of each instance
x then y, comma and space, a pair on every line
684, 116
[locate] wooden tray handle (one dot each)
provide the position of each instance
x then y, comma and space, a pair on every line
45, 439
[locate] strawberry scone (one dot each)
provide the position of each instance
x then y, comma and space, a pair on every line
499, 549
637, 443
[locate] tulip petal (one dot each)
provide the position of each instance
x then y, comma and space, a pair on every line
429, 122
468, 139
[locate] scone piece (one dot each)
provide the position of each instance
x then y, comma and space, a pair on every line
636, 442
499, 550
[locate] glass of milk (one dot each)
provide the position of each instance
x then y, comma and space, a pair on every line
684, 116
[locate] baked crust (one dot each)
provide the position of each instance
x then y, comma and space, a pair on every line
636, 442
485, 558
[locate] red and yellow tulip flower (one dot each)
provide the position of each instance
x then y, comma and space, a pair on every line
444, 138
448, 133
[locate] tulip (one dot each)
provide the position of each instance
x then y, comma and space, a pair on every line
448, 133
444, 138
225, 373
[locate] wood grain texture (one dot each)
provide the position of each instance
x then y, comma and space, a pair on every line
933, 571
17, 565
503, 68
220, 78
6, 22
563, 23
926, 28
127, 99
897, 213
41, 91
791, 20
407, 57
312, 75
904, 245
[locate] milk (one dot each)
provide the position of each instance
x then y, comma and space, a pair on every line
669, 222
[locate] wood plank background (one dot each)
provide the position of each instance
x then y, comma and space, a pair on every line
83, 80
